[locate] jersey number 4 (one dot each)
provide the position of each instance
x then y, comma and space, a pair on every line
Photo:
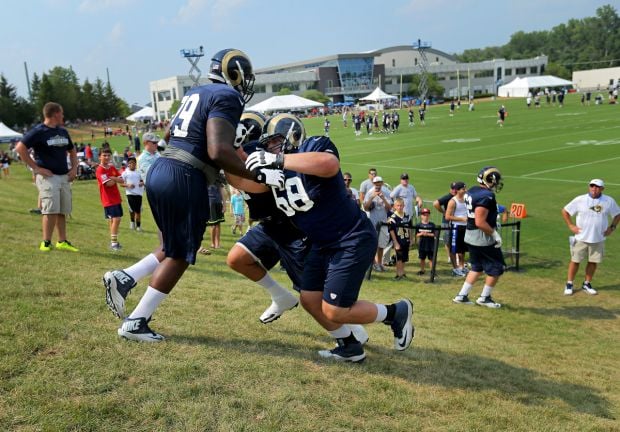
296, 198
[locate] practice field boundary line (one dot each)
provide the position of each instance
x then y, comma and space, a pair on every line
472, 174
569, 167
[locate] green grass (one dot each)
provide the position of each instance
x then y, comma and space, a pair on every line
543, 362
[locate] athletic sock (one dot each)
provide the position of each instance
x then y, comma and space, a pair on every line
341, 333
381, 312
391, 311
486, 291
274, 289
142, 268
465, 289
148, 303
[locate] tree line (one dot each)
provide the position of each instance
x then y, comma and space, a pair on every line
87, 101
588, 43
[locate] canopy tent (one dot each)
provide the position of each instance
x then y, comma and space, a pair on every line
284, 103
520, 87
378, 95
146, 113
7, 134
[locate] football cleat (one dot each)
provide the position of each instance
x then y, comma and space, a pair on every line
117, 285
353, 352
462, 299
402, 325
137, 329
488, 302
277, 308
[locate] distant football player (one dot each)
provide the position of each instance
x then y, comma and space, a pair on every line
343, 239
483, 241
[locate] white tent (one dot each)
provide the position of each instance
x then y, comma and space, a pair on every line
284, 103
378, 95
146, 113
520, 87
7, 134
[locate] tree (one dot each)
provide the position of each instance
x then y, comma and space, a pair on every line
284, 91
434, 88
175, 107
316, 96
14, 110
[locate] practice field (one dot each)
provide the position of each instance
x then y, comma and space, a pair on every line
542, 362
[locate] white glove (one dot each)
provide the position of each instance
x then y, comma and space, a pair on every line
497, 238
263, 159
270, 177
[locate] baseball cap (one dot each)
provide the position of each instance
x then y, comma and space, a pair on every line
377, 179
150, 136
425, 211
404, 176
597, 182
457, 185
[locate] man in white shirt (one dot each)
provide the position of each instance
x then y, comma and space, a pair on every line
590, 229
408, 193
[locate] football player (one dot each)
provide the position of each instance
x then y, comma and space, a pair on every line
483, 241
201, 137
343, 241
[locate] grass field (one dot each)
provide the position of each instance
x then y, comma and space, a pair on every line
543, 362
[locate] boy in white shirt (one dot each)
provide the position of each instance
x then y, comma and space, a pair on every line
134, 191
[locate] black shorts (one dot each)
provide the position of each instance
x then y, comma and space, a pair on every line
403, 254
134, 202
216, 213
486, 258
425, 254
113, 211
457, 239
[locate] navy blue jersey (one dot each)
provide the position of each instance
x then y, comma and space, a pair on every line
50, 146
320, 207
480, 197
189, 124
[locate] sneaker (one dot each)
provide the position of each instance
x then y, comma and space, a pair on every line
402, 325
359, 332
420, 273
568, 289
45, 246
353, 352
378, 268
115, 247
276, 309
458, 272
117, 285
462, 299
397, 278
488, 302
139, 229
587, 287
137, 329
132, 225
65, 245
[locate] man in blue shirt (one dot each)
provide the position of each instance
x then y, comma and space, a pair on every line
343, 239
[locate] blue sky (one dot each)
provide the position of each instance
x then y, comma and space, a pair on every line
139, 40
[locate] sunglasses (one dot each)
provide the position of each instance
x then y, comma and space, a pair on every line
593, 185
348, 180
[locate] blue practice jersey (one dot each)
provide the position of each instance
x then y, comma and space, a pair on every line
50, 146
480, 197
189, 124
321, 207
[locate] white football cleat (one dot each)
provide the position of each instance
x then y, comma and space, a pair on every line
277, 308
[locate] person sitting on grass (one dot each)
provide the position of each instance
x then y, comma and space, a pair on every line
399, 228
425, 232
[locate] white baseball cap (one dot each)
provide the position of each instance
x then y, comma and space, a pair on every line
597, 182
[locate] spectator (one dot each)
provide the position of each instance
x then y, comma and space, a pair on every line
134, 188
5, 161
51, 143
367, 185
237, 208
353, 193
440, 205
590, 229
425, 233
149, 155
409, 195
399, 228
456, 215
217, 209
378, 204
108, 178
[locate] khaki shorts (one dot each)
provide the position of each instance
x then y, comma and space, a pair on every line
592, 251
55, 194
384, 237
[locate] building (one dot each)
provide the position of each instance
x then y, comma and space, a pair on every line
347, 77
597, 79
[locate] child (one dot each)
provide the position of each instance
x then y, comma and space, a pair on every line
425, 232
108, 178
238, 210
134, 189
398, 227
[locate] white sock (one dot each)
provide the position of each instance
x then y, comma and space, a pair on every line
142, 268
274, 289
148, 303
381, 312
486, 291
466, 288
341, 332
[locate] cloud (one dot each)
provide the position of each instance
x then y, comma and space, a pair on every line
90, 6
191, 9
116, 33
217, 11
